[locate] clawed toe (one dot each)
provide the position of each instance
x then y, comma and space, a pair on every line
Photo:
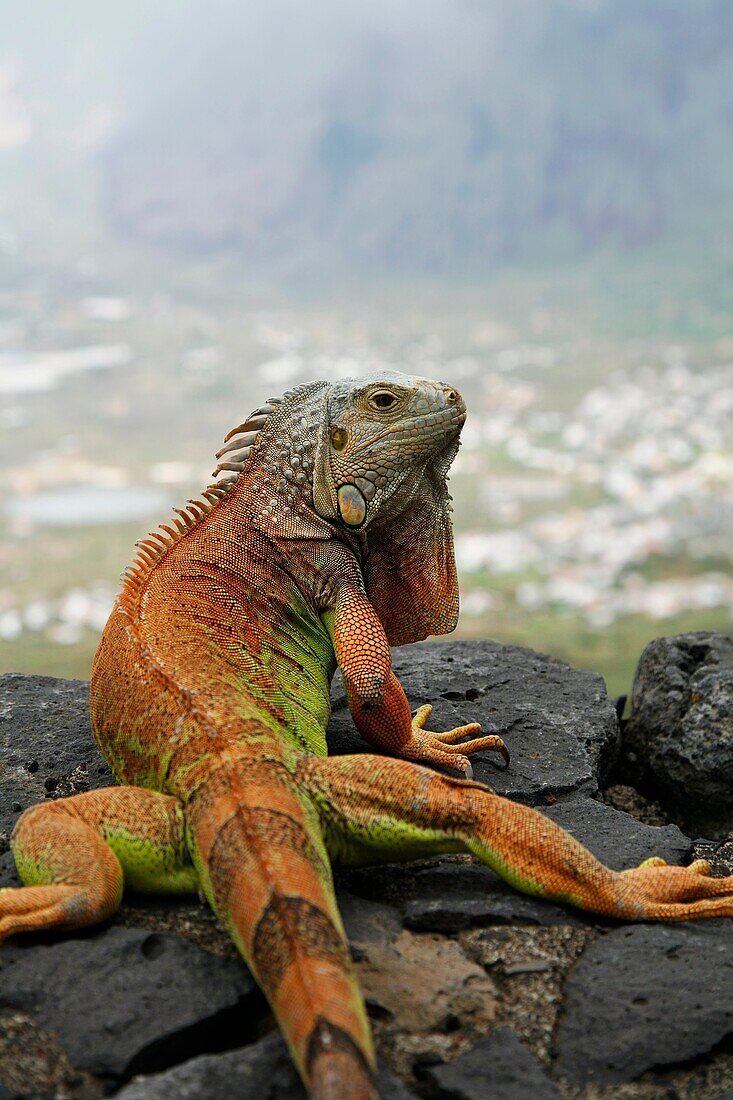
450, 749
451, 736
490, 743
658, 892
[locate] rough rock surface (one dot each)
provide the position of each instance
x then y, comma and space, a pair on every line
616, 838
46, 749
679, 737
450, 957
123, 1000
450, 893
262, 1071
559, 724
644, 996
496, 1068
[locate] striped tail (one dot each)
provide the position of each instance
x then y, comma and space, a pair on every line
257, 845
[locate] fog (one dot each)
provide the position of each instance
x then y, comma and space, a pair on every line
417, 136
203, 204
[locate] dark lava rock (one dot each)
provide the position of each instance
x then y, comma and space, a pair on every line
263, 1071
497, 1068
559, 725
46, 749
499, 905
450, 893
680, 733
644, 996
125, 1001
616, 838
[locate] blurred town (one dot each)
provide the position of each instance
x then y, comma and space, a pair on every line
593, 490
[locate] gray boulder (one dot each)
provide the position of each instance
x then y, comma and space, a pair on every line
123, 1000
497, 1068
644, 996
679, 738
46, 750
558, 722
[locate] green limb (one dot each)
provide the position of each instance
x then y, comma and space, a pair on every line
75, 855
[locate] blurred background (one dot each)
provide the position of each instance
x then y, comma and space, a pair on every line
202, 204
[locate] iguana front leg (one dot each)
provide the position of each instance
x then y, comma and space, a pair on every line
377, 701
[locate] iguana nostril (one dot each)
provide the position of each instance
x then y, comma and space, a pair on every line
452, 397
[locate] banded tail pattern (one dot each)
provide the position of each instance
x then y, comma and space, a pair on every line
256, 842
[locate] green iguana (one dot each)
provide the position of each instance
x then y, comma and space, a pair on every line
329, 541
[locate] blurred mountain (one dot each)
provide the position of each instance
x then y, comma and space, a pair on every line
407, 135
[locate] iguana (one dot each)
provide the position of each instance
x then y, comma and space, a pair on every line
329, 541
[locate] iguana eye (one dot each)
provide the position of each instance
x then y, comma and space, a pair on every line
382, 400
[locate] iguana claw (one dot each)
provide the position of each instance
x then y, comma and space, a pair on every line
447, 749
504, 753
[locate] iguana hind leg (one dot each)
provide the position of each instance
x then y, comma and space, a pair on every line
374, 808
75, 854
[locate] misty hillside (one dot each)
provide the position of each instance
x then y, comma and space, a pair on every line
413, 135
440, 136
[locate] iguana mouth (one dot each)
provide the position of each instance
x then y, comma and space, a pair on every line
432, 424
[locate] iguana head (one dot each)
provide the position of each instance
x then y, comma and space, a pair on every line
383, 436
365, 459
380, 469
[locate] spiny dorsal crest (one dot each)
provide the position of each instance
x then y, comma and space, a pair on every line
238, 444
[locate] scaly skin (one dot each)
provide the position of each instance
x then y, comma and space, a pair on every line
330, 542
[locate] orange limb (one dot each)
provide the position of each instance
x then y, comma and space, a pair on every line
374, 808
75, 854
377, 700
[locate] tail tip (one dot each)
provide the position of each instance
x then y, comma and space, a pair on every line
337, 1067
